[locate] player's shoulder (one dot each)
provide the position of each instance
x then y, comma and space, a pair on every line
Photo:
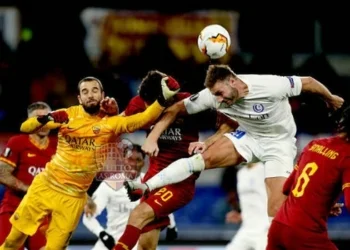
20, 138
137, 100
259, 77
74, 110
182, 95
135, 105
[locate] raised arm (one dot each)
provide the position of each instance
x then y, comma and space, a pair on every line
167, 118
52, 120
135, 122
150, 145
129, 124
311, 85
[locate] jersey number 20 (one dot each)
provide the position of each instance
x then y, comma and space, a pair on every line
304, 179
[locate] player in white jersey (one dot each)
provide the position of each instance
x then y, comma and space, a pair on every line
252, 234
110, 196
259, 103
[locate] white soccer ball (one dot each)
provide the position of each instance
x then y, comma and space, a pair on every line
214, 41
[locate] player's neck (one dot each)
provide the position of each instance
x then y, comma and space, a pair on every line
242, 89
41, 140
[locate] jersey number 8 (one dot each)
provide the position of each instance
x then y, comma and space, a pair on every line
304, 179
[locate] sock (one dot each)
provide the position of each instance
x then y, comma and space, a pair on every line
129, 238
177, 171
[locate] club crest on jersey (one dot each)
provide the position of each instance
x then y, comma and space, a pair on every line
258, 108
96, 129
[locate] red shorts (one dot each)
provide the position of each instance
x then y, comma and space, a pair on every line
167, 200
34, 242
284, 237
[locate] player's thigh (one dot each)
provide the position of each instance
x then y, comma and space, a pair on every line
5, 226
278, 158
241, 240
149, 240
33, 208
64, 220
223, 153
170, 198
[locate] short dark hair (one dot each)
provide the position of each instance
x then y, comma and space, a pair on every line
89, 79
217, 72
138, 149
36, 106
344, 122
150, 87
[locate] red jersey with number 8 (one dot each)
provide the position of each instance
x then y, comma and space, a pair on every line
322, 172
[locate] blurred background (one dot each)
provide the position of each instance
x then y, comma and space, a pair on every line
45, 49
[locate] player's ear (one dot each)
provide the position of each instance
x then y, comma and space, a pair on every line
80, 102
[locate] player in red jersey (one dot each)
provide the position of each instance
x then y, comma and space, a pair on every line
23, 157
322, 172
151, 216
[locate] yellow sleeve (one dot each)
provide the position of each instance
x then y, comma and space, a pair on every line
129, 124
31, 125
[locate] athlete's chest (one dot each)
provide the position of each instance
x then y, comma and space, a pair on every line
32, 160
120, 203
252, 109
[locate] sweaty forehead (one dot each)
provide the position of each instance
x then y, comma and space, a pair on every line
89, 85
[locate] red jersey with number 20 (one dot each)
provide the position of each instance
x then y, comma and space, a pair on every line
28, 159
322, 172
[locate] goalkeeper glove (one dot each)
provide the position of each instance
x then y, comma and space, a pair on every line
107, 240
170, 87
59, 116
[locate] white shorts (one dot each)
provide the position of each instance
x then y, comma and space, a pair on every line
278, 156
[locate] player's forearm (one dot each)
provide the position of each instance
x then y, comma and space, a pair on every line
31, 125
93, 225
168, 117
141, 120
12, 182
311, 85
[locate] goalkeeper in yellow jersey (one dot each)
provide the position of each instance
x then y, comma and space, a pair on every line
59, 192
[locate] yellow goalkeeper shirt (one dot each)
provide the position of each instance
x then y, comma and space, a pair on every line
77, 158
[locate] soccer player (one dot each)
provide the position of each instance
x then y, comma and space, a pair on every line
151, 216
109, 195
266, 132
60, 190
318, 179
253, 205
23, 158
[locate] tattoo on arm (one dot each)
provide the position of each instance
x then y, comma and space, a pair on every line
7, 178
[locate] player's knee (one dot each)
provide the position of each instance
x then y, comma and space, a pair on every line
141, 215
15, 239
147, 245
